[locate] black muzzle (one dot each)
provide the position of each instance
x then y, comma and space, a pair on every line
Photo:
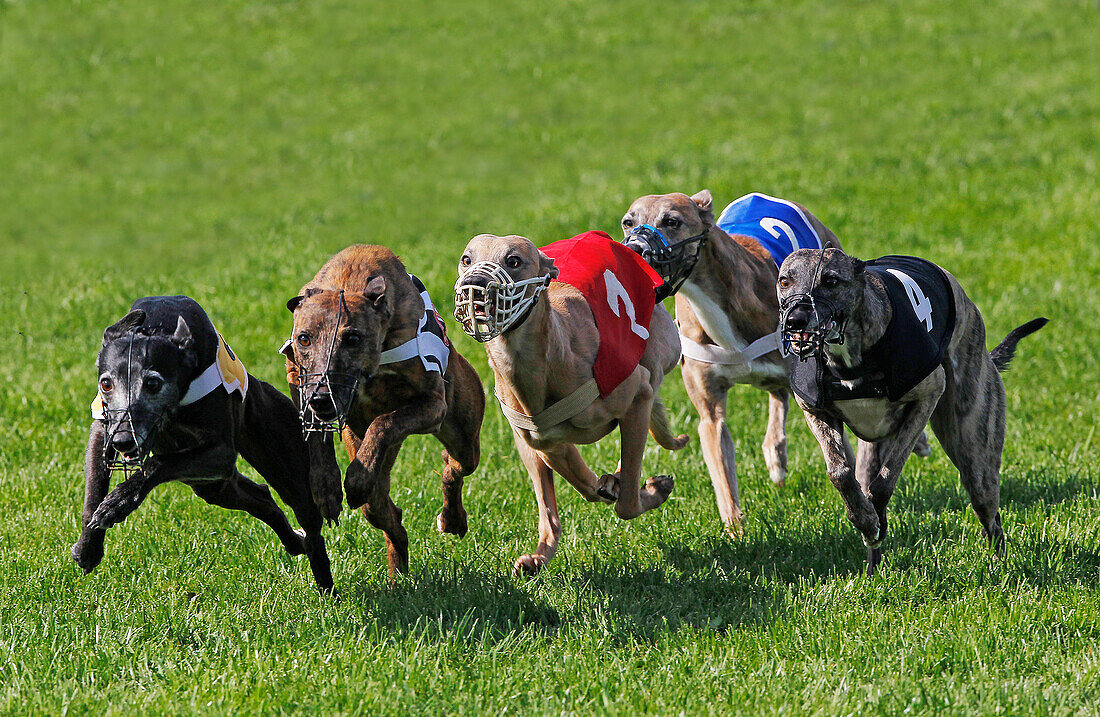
807, 324
673, 262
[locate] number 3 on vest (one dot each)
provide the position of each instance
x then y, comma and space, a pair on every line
922, 307
616, 291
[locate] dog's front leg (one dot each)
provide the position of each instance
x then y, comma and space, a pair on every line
385, 431
324, 476
130, 493
840, 463
88, 549
708, 392
542, 480
634, 499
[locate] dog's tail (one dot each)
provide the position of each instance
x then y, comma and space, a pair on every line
1005, 350
661, 431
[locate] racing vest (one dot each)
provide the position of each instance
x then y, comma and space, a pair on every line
621, 290
780, 226
913, 346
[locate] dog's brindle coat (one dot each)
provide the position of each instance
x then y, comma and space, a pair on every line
963, 397
729, 300
390, 402
548, 356
199, 443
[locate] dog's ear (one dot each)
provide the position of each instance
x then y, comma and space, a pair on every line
546, 265
182, 336
293, 303
376, 291
858, 266
128, 322
703, 200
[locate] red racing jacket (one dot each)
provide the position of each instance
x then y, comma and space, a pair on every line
620, 288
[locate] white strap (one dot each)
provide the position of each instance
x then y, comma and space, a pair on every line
554, 414
710, 353
400, 353
207, 381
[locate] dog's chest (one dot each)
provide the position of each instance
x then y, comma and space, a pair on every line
872, 419
716, 322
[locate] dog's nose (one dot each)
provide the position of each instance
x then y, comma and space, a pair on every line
323, 406
798, 318
637, 246
124, 443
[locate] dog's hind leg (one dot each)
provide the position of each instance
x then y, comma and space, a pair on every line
88, 549
708, 395
239, 493
971, 427
460, 435
921, 448
775, 438
542, 480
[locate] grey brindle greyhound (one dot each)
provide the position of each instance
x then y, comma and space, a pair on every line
842, 319
168, 412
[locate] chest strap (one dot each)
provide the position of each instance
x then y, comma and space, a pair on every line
710, 353
555, 413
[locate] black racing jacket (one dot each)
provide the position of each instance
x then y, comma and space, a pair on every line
913, 346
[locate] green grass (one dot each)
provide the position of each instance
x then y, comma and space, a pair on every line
225, 150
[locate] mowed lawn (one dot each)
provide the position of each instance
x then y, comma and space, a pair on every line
225, 150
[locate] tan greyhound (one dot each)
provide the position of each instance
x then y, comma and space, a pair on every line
543, 341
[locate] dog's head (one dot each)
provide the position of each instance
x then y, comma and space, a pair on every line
499, 280
819, 290
669, 231
336, 342
142, 378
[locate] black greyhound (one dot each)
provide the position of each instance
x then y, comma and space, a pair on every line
175, 403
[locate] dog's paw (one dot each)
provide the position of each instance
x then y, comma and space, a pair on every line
453, 522
115, 508
660, 486
87, 556
607, 487
529, 565
778, 476
872, 534
330, 505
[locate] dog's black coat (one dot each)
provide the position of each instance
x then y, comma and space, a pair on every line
199, 443
906, 354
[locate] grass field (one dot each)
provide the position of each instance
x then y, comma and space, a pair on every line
225, 150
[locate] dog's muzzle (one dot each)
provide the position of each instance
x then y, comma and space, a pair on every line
488, 302
124, 450
325, 398
673, 262
807, 324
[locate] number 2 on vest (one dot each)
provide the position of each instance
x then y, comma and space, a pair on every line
616, 291
922, 307
780, 230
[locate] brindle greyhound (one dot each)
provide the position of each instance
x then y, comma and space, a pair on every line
542, 350
367, 351
170, 393
726, 305
888, 345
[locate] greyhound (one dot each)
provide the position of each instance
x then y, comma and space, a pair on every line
369, 353
175, 403
883, 347
572, 361
723, 274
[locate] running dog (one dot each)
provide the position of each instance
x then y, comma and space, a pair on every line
723, 274
577, 347
175, 403
884, 346
369, 353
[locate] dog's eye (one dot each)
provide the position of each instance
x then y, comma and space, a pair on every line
106, 384
352, 338
672, 222
512, 262
152, 384
627, 222
829, 281
303, 339
465, 260
784, 282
